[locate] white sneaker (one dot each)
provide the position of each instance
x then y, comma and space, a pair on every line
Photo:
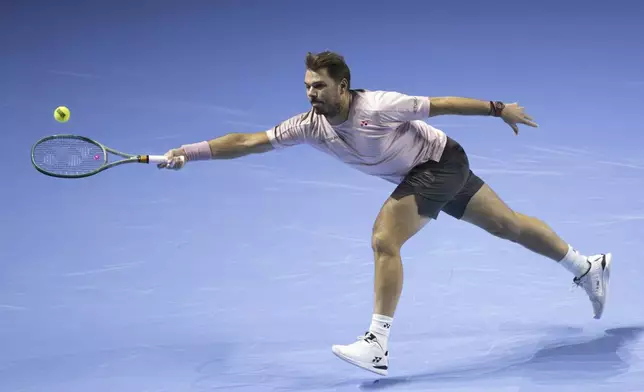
366, 353
595, 281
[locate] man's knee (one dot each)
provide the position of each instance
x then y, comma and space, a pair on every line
397, 221
384, 244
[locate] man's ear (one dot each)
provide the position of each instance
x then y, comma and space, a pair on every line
344, 85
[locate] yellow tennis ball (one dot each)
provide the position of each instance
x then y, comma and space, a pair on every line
61, 114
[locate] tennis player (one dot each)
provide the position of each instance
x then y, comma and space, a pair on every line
382, 133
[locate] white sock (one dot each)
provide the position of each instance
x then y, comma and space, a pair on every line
574, 262
380, 326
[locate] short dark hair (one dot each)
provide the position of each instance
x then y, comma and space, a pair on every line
334, 64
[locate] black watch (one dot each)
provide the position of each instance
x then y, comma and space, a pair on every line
496, 108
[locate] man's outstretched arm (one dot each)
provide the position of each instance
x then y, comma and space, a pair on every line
230, 146
290, 132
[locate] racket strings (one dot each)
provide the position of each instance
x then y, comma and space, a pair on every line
68, 156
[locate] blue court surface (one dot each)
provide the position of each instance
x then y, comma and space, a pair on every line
246, 288
239, 275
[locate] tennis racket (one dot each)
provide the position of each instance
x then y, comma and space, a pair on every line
73, 156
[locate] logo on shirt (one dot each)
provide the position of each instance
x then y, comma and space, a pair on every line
415, 108
364, 123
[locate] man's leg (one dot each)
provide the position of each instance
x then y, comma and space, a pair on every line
486, 210
397, 222
419, 198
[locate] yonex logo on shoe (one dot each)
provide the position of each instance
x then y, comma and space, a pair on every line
377, 359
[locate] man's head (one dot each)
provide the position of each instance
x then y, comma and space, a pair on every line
328, 83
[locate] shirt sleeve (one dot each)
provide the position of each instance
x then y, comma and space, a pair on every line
293, 131
397, 107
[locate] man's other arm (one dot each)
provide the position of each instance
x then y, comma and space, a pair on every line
512, 114
440, 106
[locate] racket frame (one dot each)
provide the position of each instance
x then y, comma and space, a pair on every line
128, 158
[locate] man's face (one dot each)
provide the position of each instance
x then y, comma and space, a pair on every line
323, 93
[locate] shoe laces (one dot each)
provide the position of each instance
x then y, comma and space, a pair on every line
368, 337
371, 339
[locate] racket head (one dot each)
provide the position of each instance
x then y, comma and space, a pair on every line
68, 156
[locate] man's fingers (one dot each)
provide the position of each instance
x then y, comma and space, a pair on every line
174, 160
531, 123
175, 163
168, 156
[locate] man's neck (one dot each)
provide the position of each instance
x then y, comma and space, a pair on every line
344, 112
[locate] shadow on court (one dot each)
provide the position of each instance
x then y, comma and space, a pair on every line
559, 363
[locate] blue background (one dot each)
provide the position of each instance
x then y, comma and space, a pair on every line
241, 274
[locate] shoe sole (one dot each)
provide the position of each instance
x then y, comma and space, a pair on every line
382, 372
606, 278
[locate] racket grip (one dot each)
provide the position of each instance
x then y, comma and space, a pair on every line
157, 159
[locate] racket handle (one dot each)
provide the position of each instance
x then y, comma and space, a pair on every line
156, 159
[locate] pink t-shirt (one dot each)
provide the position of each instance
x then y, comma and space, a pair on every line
384, 136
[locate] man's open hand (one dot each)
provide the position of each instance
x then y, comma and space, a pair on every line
513, 114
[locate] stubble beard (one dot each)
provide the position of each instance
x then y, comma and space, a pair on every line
329, 110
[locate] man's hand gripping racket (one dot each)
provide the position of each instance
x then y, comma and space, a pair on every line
175, 160
177, 157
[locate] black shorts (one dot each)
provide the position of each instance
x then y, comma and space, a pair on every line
447, 185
